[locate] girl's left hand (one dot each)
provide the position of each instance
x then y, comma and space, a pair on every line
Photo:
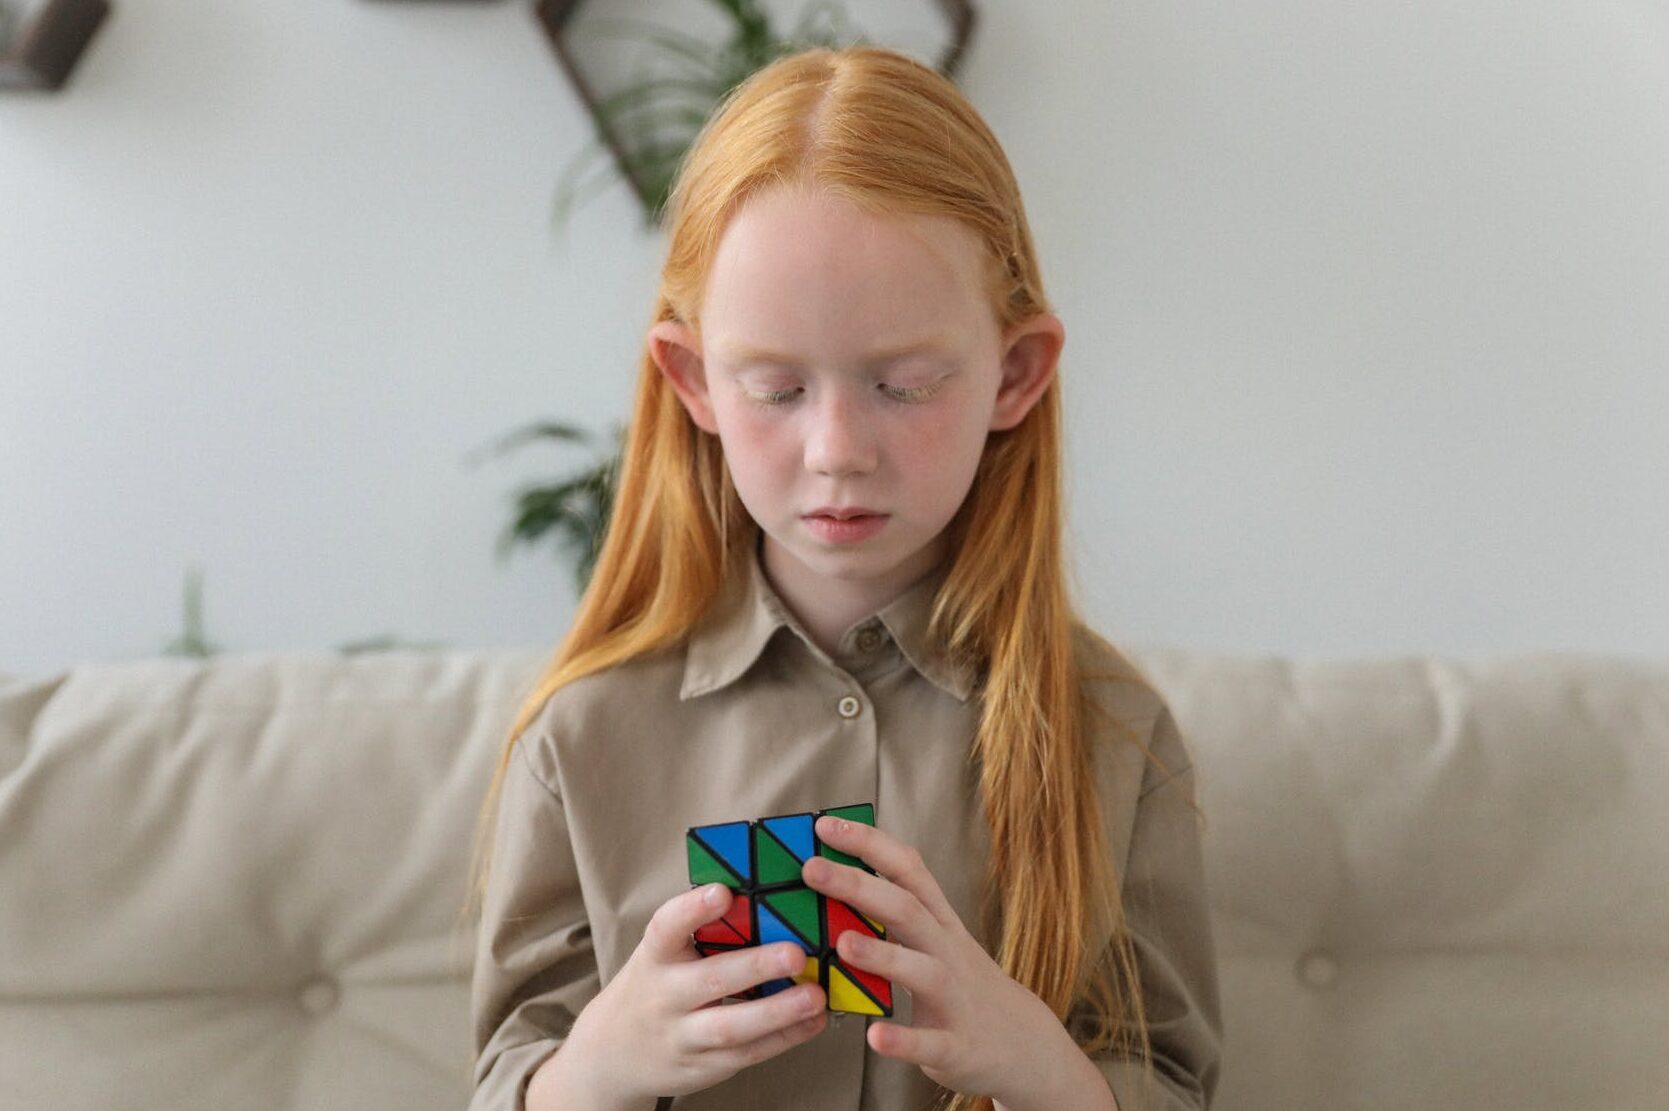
972, 1023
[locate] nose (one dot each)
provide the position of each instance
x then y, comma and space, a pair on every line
840, 439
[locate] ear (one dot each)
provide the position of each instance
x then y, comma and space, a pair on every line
676, 349
1031, 349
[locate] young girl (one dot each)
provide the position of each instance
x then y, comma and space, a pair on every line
834, 575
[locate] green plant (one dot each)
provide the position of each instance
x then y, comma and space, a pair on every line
656, 119
191, 642
575, 509
388, 643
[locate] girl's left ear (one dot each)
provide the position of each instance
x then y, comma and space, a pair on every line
1030, 351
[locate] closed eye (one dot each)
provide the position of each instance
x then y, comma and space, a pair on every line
910, 393
897, 393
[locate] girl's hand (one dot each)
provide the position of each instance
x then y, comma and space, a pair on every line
973, 1025
658, 1028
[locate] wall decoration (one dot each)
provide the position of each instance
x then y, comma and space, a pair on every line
648, 124
40, 40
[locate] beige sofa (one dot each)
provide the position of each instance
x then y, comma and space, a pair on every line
236, 884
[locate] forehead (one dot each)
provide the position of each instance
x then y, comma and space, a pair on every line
799, 271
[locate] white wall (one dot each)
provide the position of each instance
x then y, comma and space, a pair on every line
1366, 317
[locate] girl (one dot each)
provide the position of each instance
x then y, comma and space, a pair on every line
834, 575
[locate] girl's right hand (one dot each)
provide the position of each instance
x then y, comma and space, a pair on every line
658, 1028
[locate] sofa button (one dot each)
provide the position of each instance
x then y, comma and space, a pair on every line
319, 995
1318, 968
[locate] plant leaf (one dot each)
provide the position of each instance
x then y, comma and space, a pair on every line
537, 430
673, 41
634, 96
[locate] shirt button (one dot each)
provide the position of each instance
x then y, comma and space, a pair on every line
849, 707
319, 995
1318, 968
868, 640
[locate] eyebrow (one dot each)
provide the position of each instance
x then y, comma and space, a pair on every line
933, 344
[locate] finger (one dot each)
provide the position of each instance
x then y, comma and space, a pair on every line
778, 1041
921, 974
901, 914
892, 859
919, 1045
717, 1029
667, 935
717, 975
881, 900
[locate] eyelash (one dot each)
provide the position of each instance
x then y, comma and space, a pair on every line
904, 394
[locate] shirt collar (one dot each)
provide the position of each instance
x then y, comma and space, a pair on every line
748, 612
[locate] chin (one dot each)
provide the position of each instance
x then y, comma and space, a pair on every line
853, 563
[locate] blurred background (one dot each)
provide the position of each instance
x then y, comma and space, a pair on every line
1367, 314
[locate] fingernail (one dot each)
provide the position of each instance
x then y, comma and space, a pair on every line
841, 825
711, 895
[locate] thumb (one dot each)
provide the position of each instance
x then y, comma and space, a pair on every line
670, 928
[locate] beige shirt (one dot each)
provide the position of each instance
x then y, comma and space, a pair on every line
744, 721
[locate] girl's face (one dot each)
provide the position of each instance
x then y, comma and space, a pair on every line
851, 364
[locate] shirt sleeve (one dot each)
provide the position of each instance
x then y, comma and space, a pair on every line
1168, 917
535, 968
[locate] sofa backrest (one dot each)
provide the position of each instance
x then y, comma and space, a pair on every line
237, 883
1436, 883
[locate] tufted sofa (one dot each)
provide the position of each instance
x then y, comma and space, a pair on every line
236, 884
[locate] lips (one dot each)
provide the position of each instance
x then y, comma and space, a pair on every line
854, 527
843, 513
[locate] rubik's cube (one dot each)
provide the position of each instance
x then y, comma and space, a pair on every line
760, 861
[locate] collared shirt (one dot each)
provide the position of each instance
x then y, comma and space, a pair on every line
749, 717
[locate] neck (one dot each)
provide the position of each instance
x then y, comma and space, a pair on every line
828, 607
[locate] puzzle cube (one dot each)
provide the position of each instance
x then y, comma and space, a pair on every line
759, 860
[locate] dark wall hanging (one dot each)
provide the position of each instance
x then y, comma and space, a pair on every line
648, 126
41, 40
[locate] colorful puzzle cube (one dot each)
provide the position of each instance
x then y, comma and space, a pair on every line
760, 861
